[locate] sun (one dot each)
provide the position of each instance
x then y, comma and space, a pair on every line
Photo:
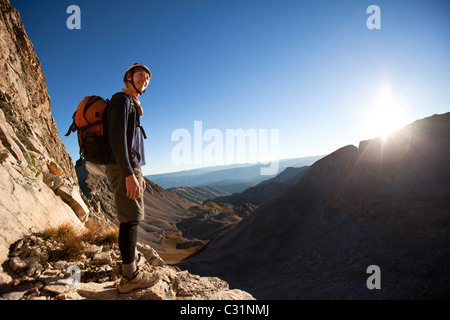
385, 115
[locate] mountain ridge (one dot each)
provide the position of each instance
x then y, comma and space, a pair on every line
266, 190
384, 203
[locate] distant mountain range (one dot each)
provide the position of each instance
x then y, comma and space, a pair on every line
385, 203
245, 192
237, 176
199, 194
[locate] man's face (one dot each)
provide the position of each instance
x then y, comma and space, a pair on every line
141, 80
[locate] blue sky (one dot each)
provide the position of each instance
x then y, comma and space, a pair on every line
310, 69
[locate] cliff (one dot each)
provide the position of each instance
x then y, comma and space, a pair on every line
38, 185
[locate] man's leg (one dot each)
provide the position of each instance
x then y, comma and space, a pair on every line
129, 213
127, 245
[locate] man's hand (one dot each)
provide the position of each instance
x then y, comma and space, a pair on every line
132, 184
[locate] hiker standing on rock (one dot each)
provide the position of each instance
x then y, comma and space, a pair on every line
126, 138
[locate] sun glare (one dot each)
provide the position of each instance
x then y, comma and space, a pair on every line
385, 115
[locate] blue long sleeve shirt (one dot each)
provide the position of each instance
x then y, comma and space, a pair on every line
125, 135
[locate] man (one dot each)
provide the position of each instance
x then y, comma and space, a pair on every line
126, 139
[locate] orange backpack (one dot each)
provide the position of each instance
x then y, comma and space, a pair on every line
89, 122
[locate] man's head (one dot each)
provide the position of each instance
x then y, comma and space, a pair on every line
137, 77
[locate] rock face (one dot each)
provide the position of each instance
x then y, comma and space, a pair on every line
38, 185
385, 203
23, 94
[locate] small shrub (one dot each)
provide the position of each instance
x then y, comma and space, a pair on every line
71, 243
110, 237
72, 246
48, 234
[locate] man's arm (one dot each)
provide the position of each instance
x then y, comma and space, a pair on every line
118, 121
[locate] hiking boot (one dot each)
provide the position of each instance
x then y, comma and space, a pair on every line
140, 280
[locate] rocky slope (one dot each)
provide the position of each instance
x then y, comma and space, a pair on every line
267, 190
385, 203
213, 219
38, 275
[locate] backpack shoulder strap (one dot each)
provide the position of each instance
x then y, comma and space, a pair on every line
132, 105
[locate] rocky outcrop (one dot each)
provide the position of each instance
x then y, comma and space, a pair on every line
38, 185
95, 275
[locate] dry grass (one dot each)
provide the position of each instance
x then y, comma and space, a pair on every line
71, 244
97, 234
109, 237
71, 241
